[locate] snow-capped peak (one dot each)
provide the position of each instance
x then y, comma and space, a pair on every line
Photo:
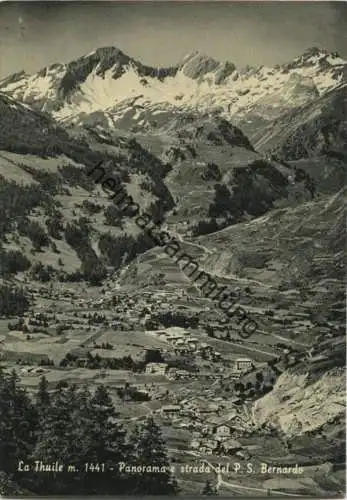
107, 81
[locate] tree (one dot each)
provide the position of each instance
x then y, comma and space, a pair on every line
8, 487
13, 301
148, 449
102, 404
113, 216
93, 270
153, 356
12, 262
77, 427
227, 336
43, 399
105, 441
205, 227
209, 331
239, 387
55, 226
55, 443
310, 186
34, 231
223, 202
62, 384
18, 423
41, 273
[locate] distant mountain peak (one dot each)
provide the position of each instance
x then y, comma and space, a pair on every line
189, 56
110, 49
106, 59
317, 54
196, 65
14, 77
314, 51
106, 81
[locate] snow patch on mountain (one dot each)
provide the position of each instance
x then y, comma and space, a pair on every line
102, 81
335, 61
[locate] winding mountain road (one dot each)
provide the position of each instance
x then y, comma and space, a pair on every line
220, 482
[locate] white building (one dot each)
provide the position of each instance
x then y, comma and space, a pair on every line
223, 431
156, 368
243, 364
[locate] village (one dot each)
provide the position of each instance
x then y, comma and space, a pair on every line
161, 353
155, 353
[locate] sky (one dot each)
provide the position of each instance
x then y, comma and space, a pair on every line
35, 34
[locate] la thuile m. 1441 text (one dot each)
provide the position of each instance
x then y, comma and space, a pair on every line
39, 466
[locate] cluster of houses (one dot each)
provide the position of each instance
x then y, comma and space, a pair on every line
241, 367
171, 373
183, 343
215, 425
32, 371
216, 446
127, 313
48, 292
37, 320
179, 339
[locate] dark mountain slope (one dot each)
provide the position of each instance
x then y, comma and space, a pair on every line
50, 206
316, 129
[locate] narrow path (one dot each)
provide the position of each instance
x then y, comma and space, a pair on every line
189, 243
221, 482
253, 349
283, 338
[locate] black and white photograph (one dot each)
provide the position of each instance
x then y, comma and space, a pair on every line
172, 249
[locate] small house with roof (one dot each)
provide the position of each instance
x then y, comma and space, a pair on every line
223, 430
230, 446
170, 410
156, 368
208, 446
243, 364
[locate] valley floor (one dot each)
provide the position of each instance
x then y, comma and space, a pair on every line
184, 378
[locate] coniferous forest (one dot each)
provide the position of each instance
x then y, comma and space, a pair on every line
79, 430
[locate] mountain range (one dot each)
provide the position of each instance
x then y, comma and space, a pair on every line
107, 84
203, 144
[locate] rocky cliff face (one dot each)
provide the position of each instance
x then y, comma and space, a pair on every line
298, 406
